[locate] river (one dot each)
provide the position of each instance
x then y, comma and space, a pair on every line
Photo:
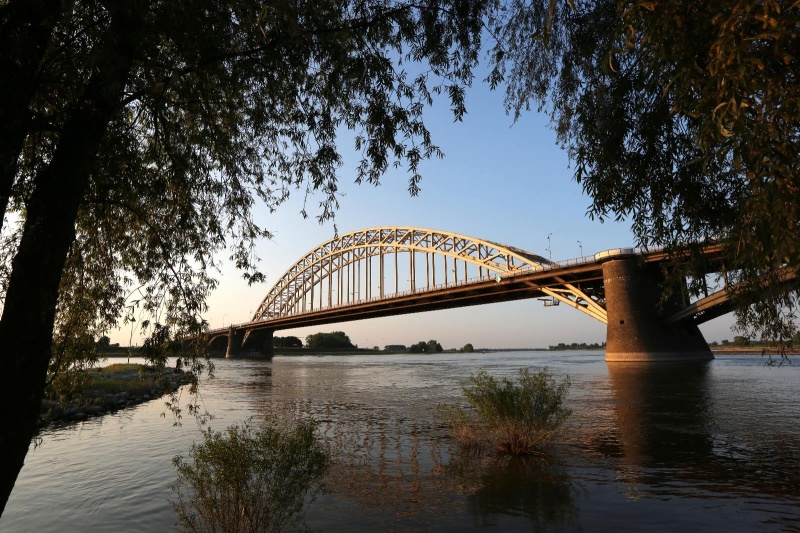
653, 447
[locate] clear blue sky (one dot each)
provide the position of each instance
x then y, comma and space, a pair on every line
499, 181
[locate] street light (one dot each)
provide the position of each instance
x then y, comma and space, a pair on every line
581, 247
549, 247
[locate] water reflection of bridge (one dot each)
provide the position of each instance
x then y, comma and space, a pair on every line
389, 271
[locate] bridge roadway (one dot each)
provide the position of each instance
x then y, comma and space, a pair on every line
620, 288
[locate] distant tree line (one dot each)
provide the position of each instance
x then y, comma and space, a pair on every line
395, 348
577, 346
432, 346
740, 340
338, 340
104, 344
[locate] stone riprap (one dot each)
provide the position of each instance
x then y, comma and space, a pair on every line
97, 402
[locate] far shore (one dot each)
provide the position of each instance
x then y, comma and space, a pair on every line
299, 352
746, 350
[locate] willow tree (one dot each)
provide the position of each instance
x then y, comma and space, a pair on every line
138, 137
681, 116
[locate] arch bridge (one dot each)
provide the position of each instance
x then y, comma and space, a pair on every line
395, 270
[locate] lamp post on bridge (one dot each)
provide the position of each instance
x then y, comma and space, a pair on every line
580, 246
549, 248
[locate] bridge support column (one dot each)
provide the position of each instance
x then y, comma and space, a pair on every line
266, 344
235, 342
258, 344
635, 331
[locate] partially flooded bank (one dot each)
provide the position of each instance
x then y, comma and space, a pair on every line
108, 389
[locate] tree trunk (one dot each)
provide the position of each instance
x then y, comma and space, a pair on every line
26, 327
25, 30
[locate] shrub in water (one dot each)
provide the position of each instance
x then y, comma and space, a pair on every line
249, 480
518, 417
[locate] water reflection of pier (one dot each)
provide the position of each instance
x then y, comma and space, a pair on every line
661, 412
668, 428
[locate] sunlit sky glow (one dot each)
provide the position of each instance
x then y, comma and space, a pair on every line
500, 181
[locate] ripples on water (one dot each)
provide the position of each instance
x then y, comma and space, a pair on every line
656, 447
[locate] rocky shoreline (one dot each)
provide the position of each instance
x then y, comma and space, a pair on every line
99, 402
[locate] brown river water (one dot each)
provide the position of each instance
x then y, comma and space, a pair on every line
648, 448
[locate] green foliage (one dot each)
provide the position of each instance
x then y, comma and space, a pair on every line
87, 383
434, 347
420, 347
431, 346
577, 346
68, 374
133, 378
741, 341
286, 342
682, 116
336, 340
226, 106
247, 479
468, 348
140, 137
395, 348
517, 417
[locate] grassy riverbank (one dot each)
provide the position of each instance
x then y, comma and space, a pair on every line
119, 377
98, 391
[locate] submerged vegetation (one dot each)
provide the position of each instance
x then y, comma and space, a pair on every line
246, 479
517, 417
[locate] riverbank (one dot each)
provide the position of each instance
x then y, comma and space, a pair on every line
747, 350
109, 389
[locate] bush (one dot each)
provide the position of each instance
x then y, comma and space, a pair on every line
336, 340
249, 480
517, 417
741, 341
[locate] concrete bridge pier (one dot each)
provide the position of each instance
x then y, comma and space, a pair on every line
235, 343
259, 344
635, 330
255, 344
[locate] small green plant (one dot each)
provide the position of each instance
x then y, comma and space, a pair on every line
518, 417
246, 479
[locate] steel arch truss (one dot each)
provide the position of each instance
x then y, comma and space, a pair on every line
352, 268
